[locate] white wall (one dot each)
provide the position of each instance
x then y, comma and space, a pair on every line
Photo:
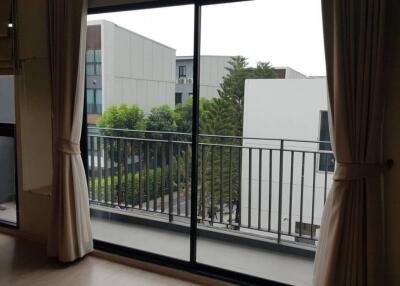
33, 120
283, 108
136, 70
212, 71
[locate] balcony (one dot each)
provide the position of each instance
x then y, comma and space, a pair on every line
257, 197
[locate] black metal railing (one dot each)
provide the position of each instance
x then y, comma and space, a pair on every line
258, 186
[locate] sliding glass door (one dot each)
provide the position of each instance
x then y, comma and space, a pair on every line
8, 189
208, 148
264, 175
139, 71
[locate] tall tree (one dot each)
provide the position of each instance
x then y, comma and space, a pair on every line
224, 116
231, 92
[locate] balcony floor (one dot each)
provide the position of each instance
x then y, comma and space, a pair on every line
270, 264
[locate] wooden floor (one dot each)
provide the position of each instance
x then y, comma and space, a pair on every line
25, 263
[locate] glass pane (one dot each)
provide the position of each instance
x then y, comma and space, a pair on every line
90, 100
261, 194
98, 56
7, 99
90, 69
8, 210
139, 166
90, 96
98, 69
90, 56
98, 101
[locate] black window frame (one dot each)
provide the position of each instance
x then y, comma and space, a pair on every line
178, 95
192, 265
181, 71
326, 160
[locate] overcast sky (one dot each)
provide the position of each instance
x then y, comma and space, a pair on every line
282, 32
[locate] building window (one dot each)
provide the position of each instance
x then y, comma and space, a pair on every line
90, 56
98, 100
178, 98
182, 71
94, 101
97, 56
90, 69
98, 68
326, 161
93, 62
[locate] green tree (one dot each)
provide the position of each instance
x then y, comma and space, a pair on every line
184, 114
224, 116
231, 92
161, 118
122, 117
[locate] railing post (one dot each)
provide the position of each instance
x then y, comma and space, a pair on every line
119, 172
170, 180
281, 148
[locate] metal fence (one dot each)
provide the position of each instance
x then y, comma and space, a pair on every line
258, 186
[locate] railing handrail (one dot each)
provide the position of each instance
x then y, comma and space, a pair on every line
213, 144
212, 135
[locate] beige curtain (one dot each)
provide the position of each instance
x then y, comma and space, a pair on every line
351, 247
70, 230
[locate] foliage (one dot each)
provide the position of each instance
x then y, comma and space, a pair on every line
231, 93
131, 187
219, 168
161, 118
224, 116
122, 117
184, 114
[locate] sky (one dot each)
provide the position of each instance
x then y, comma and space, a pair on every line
281, 32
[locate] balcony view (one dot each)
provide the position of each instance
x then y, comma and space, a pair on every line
265, 163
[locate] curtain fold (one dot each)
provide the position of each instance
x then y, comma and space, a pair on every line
70, 235
351, 247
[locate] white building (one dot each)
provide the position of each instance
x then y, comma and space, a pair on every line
285, 109
125, 67
212, 71
288, 73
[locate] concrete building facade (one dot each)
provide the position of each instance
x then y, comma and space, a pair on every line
123, 67
212, 71
288, 73
292, 109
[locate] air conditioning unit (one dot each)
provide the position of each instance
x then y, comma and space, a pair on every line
182, 80
189, 81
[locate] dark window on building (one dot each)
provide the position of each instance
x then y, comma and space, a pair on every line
326, 161
182, 71
94, 101
178, 98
